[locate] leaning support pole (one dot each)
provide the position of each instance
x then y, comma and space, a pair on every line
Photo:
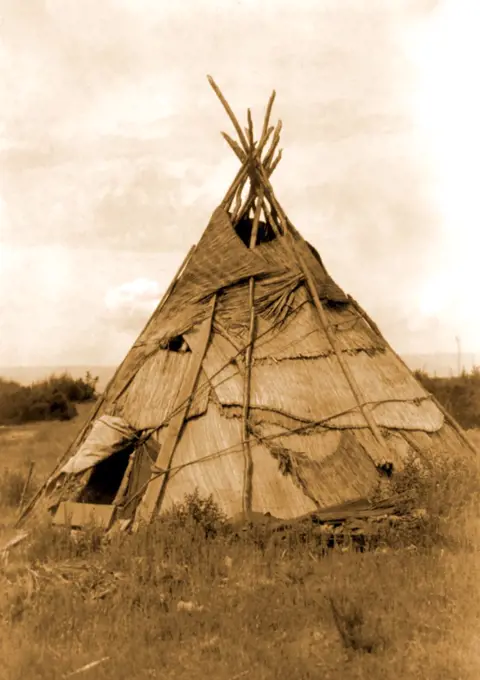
247, 495
243, 173
257, 167
318, 305
229, 111
344, 366
250, 157
155, 492
81, 435
448, 417
249, 201
267, 190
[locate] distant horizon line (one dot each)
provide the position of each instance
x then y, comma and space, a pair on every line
465, 354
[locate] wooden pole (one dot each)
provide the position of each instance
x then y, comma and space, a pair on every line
250, 129
275, 162
248, 469
268, 112
234, 120
238, 203
154, 494
333, 342
248, 473
244, 170
268, 190
239, 178
230, 113
274, 144
125, 480
237, 149
246, 161
270, 219
269, 193
320, 311
256, 155
81, 435
247, 452
448, 417
252, 195
243, 209
249, 160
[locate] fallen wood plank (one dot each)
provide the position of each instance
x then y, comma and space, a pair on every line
84, 514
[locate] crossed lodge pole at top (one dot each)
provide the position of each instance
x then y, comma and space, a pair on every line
253, 165
258, 170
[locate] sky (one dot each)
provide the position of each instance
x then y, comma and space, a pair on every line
111, 159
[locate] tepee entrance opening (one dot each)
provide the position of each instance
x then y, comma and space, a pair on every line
106, 477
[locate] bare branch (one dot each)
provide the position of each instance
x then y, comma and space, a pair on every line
250, 128
275, 141
230, 113
277, 160
268, 113
236, 148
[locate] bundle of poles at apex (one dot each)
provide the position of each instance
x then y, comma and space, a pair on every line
258, 172
261, 194
255, 169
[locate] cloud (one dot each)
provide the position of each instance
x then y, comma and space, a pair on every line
53, 302
110, 148
137, 291
131, 303
127, 305
115, 88
422, 7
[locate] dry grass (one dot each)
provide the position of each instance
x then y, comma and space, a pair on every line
42, 443
171, 603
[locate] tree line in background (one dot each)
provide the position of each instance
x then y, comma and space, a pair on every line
55, 397
50, 399
460, 395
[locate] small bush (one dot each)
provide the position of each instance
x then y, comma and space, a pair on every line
438, 496
79, 390
460, 395
186, 530
51, 399
201, 513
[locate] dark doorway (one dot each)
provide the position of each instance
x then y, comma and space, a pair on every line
106, 478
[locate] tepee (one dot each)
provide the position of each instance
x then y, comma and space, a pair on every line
256, 379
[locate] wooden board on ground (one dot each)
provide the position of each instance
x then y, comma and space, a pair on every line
83, 515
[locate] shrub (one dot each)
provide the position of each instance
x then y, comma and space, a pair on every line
198, 512
79, 390
460, 395
51, 399
187, 528
439, 496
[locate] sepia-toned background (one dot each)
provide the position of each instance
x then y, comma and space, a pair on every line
111, 161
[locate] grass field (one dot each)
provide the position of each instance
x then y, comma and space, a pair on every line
169, 603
